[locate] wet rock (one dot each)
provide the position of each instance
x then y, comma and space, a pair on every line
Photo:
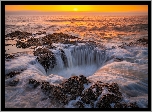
120, 105
19, 34
106, 100
14, 82
88, 95
33, 42
12, 74
73, 85
58, 93
46, 87
34, 83
97, 89
20, 44
83, 79
125, 105
9, 56
133, 105
79, 104
64, 58
7, 44
143, 40
58, 38
45, 57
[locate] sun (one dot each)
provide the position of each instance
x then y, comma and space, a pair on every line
75, 9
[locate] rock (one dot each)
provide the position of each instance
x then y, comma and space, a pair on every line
133, 105
14, 82
19, 34
34, 83
46, 87
143, 40
20, 44
58, 38
106, 100
73, 86
60, 95
83, 79
9, 56
79, 104
12, 74
120, 105
64, 58
45, 57
124, 105
88, 95
97, 89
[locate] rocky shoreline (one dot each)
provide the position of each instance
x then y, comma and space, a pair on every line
96, 95
82, 91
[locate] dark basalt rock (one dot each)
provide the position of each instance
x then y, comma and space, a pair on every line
45, 57
46, 87
58, 93
20, 44
120, 105
9, 56
97, 87
133, 105
34, 83
54, 92
30, 42
14, 82
74, 85
124, 105
106, 100
58, 37
143, 40
19, 34
83, 79
114, 88
88, 95
79, 104
12, 74
64, 58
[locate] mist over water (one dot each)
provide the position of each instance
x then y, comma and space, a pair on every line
112, 59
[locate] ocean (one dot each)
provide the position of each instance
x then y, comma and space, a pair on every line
107, 49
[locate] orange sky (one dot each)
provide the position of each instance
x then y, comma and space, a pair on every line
77, 8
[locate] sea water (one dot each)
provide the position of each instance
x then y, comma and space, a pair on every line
109, 32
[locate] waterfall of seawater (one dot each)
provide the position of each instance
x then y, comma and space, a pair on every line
82, 59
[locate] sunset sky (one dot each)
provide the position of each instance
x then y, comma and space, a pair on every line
79, 8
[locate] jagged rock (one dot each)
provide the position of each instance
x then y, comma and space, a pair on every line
97, 89
20, 44
9, 56
64, 58
45, 57
133, 105
19, 34
12, 74
79, 104
46, 87
58, 37
106, 100
60, 95
120, 105
83, 79
143, 40
124, 105
88, 95
34, 83
74, 85
14, 82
